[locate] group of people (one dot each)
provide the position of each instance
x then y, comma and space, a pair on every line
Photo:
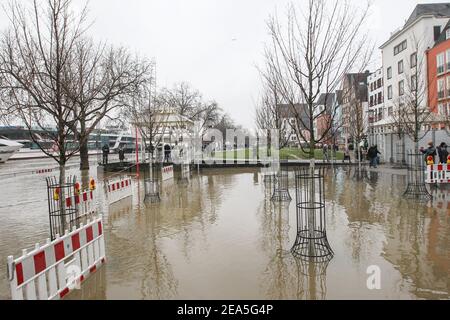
105, 152
441, 151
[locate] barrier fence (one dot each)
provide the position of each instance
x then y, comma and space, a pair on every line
51, 271
437, 173
84, 203
119, 189
167, 173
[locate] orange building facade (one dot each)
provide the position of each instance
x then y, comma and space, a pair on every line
438, 66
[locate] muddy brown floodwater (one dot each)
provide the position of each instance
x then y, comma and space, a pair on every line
218, 236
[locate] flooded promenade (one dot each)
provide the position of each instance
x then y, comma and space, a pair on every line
218, 236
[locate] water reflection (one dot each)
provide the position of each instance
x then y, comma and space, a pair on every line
417, 244
220, 236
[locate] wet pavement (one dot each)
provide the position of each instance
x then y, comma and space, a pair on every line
218, 236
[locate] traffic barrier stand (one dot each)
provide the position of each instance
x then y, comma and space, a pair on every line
83, 203
43, 171
51, 271
167, 173
119, 189
437, 174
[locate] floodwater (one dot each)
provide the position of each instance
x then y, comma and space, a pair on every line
218, 236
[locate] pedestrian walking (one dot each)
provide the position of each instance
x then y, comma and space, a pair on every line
443, 153
121, 155
105, 152
167, 152
430, 151
347, 155
373, 156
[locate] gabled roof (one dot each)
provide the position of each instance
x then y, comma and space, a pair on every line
291, 111
435, 9
441, 10
357, 84
443, 37
327, 99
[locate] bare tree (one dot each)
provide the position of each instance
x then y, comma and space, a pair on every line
101, 80
147, 110
268, 112
357, 116
188, 105
311, 54
35, 55
183, 99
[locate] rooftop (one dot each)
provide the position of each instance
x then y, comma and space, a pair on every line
426, 9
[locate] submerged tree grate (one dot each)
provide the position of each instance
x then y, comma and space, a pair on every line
416, 188
63, 212
152, 191
311, 243
281, 187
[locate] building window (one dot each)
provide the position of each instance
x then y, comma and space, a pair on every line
447, 53
390, 111
400, 67
440, 63
389, 73
379, 83
440, 88
402, 46
401, 88
447, 34
413, 83
413, 59
380, 97
442, 109
448, 86
390, 92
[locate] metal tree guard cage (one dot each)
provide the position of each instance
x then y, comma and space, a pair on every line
281, 187
63, 214
417, 188
151, 186
311, 243
400, 161
269, 178
311, 279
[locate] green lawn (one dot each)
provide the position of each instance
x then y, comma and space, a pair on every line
285, 154
295, 154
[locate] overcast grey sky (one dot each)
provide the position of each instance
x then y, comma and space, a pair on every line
212, 44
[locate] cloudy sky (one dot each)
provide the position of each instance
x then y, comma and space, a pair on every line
213, 44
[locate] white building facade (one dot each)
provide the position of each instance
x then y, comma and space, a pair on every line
405, 50
376, 107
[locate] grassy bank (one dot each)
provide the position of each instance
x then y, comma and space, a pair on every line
285, 154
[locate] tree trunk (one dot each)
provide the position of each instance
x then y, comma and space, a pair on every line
359, 155
312, 154
62, 196
84, 150
85, 180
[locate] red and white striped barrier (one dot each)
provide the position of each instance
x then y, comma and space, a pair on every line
51, 271
167, 173
42, 171
119, 189
438, 173
83, 202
